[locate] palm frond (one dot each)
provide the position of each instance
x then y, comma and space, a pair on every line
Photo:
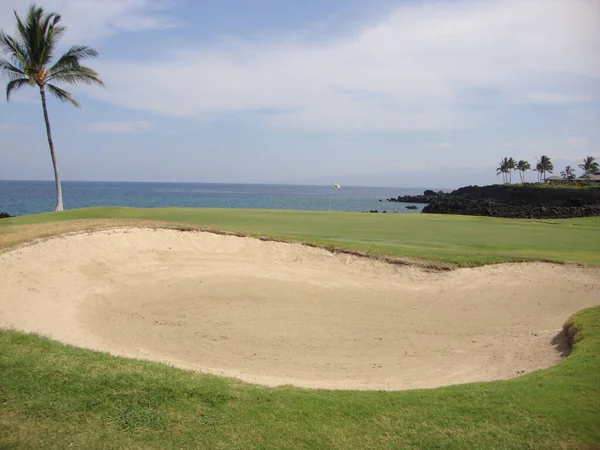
22, 32
73, 56
62, 95
74, 75
11, 71
51, 36
14, 48
15, 84
39, 34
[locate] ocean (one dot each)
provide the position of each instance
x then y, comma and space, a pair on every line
19, 198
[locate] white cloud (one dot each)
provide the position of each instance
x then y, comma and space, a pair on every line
13, 128
440, 65
426, 66
89, 20
117, 127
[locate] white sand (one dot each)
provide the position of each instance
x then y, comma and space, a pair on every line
274, 313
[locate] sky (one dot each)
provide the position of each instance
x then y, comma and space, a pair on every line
381, 92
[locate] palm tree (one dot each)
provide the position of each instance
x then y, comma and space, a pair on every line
544, 165
511, 164
29, 54
522, 166
507, 165
568, 173
589, 165
503, 169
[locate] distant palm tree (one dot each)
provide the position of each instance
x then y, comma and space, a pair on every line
543, 166
568, 173
29, 54
589, 165
511, 165
503, 169
522, 167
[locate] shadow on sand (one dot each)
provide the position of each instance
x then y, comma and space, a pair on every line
562, 344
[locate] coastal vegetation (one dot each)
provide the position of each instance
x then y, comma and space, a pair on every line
589, 165
58, 396
507, 165
523, 166
568, 173
28, 62
543, 167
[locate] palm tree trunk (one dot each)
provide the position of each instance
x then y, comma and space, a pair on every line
59, 199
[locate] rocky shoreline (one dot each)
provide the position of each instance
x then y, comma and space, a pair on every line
525, 202
426, 197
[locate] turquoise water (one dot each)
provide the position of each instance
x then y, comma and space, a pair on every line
32, 197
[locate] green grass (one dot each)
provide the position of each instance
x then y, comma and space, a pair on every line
57, 396
462, 240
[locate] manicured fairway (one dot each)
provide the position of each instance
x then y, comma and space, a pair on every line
462, 240
56, 396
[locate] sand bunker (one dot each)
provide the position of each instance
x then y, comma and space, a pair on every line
274, 313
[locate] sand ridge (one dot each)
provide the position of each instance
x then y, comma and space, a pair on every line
278, 313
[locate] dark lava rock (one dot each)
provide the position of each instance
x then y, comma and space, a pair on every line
524, 202
426, 197
411, 207
4, 215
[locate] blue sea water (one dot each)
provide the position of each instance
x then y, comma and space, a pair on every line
31, 197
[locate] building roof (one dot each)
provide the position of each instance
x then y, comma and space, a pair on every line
590, 177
